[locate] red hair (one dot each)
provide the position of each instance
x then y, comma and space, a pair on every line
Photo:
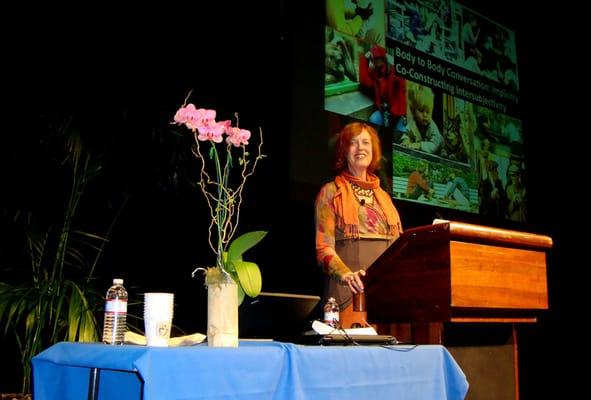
343, 142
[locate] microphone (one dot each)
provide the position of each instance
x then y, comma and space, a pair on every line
362, 201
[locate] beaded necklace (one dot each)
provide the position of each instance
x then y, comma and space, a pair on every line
359, 191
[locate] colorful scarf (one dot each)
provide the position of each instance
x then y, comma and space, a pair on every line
346, 207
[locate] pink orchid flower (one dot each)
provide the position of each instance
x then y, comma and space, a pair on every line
237, 136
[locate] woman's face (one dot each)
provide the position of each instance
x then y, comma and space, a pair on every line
360, 153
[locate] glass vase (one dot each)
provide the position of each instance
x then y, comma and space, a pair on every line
222, 309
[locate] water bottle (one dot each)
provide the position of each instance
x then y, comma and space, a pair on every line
115, 313
331, 313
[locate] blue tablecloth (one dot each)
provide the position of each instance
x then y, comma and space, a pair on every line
255, 370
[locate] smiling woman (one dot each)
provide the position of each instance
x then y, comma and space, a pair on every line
355, 218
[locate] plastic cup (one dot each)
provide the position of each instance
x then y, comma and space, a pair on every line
158, 313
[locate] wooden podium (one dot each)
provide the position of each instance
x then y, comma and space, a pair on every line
458, 272
452, 272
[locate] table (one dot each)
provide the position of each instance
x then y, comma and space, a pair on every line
254, 370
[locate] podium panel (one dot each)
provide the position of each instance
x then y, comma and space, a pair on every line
486, 276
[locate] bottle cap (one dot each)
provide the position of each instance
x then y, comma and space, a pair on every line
117, 281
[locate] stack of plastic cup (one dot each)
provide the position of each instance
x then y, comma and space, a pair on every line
158, 312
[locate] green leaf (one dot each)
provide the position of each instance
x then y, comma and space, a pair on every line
74, 312
249, 277
91, 235
13, 316
88, 329
30, 321
242, 243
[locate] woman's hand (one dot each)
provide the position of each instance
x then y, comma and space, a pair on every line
353, 281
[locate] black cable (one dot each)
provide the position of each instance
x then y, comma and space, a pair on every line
390, 347
348, 339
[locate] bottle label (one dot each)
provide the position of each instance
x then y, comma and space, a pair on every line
116, 306
330, 317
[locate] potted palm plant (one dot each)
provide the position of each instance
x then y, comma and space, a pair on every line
51, 296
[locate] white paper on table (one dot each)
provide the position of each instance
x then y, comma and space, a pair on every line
187, 340
323, 329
